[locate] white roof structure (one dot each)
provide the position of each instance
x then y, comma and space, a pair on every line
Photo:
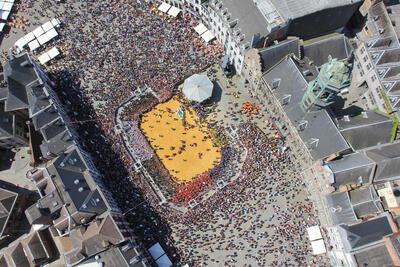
200, 29
29, 37
54, 52
44, 58
174, 11
318, 247
42, 39
4, 14
47, 26
7, 6
33, 45
198, 88
208, 36
2, 25
314, 233
164, 7
55, 22
52, 33
38, 32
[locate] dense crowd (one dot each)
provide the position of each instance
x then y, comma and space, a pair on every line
116, 46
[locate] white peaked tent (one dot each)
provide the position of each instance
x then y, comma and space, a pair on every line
198, 88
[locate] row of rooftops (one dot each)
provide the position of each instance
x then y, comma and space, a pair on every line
369, 160
261, 17
73, 200
28, 88
381, 38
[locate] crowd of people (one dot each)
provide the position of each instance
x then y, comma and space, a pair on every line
110, 48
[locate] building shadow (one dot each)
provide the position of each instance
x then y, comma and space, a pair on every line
6, 159
148, 226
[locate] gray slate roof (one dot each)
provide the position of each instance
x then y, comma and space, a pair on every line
340, 208
349, 207
337, 46
376, 256
273, 54
320, 135
387, 159
250, 20
366, 233
363, 132
291, 9
70, 172
354, 168
7, 202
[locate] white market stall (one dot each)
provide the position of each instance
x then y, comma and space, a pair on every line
200, 29
164, 7
208, 36
174, 11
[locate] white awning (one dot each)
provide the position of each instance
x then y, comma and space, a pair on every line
34, 45
174, 11
2, 25
44, 58
4, 15
38, 32
318, 247
7, 6
208, 36
29, 37
200, 29
42, 39
164, 7
53, 52
47, 26
314, 233
52, 33
20, 43
55, 22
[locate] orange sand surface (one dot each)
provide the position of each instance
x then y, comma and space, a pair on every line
184, 146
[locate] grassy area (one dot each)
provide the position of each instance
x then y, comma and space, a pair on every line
389, 110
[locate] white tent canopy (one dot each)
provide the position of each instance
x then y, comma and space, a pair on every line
38, 31
174, 11
53, 52
318, 247
47, 26
198, 88
164, 7
200, 29
208, 36
314, 233
43, 59
34, 45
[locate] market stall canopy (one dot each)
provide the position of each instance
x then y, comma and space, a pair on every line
200, 29
208, 36
164, 7
34, 45
198, 88
174, 11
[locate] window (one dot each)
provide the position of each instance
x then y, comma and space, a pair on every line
369, 66
365, 58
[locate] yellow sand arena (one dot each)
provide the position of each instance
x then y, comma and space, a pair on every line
184, 146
